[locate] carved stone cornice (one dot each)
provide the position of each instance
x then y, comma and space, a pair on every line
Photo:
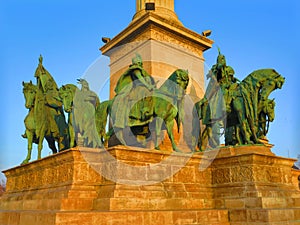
151, 21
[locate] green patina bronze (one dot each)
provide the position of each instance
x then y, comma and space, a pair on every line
138, 102
81, 106
168, 104
45, 117
241, 109
130, 107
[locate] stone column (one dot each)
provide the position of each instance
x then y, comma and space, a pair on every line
164, 8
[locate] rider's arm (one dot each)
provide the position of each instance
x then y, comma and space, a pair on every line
139, 75
53, 101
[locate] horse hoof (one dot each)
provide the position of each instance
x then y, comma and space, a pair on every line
24, 162
177, 150
249, 143
196, 150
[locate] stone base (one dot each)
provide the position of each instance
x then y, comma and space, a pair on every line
231, 185
256, 186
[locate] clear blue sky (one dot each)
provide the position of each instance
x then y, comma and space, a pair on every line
252, 34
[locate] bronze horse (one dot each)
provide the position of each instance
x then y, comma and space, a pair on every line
167, 103
243, 120
81, 116
37, 122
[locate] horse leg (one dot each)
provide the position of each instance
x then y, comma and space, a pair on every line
40, 147
237, 135
97, 143
158, 124
214, 135
72, 136
51, 144
204, 138
237, 105
196, 133
108, 135
63, 141
207, 136
29, 136
253, 130
169, 126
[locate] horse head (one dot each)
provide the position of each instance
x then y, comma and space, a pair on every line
179, 82
29, 91
279, 82
182, 78
66, 93
269, 109
273, 82
176, 84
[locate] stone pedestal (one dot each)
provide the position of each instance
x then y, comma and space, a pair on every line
256, 186
123, 185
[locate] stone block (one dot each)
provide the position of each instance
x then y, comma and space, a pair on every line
154, 218
253, 203
234, 203
238, 215
184, 217
77, 204
254, 215
296, 202
185, 174
275, 202
283, 215
297, 214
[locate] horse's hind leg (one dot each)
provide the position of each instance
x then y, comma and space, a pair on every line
29, 146
253, 130
51, 144
158, 125
242, 120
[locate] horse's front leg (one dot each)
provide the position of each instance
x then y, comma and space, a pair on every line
71, 131
40, 147
72, 136
206, 137
237, 135
107, 136
196, 134
169, 125
29, 146
158, 124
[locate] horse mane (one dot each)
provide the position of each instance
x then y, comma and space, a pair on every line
29, 86
170, 85
254, 79
73, 88
260, 74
